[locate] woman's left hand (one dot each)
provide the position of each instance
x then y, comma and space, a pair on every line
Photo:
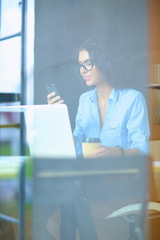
104, 151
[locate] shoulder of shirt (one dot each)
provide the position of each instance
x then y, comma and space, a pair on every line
131, 94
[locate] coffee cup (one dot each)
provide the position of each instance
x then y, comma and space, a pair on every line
89, 145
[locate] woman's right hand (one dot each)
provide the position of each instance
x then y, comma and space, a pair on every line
54, 100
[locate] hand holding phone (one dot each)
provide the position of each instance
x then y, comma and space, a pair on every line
53, 95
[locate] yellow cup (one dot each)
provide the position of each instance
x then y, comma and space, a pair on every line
89, 145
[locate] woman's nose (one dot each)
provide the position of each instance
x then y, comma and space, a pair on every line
83, 70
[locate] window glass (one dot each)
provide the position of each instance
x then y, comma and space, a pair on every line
10, 62
10, 17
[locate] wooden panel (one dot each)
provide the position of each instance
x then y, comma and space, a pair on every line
154, 23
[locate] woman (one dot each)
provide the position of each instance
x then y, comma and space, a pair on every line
118, 117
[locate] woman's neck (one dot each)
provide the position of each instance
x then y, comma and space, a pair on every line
103, 92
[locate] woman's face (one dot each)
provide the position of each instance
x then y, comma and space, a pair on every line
88, 71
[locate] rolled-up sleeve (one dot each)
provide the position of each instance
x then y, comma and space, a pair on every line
138, 125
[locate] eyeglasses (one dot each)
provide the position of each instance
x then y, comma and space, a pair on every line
87, 65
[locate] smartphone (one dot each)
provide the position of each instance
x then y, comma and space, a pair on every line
51, 88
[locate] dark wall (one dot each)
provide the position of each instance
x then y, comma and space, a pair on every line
62, 25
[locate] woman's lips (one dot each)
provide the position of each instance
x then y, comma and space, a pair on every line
87, 78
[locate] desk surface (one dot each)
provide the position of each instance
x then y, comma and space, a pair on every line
55, 174
23, 108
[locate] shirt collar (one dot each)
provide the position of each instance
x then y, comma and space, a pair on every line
93, 96
113, 96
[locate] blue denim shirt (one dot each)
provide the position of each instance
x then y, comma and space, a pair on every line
126, 120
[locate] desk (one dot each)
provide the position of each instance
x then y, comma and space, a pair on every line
79, 183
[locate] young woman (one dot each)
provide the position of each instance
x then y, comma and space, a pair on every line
117, 116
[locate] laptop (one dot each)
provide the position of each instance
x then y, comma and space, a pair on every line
49, 131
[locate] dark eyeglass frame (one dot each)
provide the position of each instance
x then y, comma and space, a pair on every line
83, 65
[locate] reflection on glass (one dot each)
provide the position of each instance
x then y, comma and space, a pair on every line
10, 59
9, 137
11, 195
78, 199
